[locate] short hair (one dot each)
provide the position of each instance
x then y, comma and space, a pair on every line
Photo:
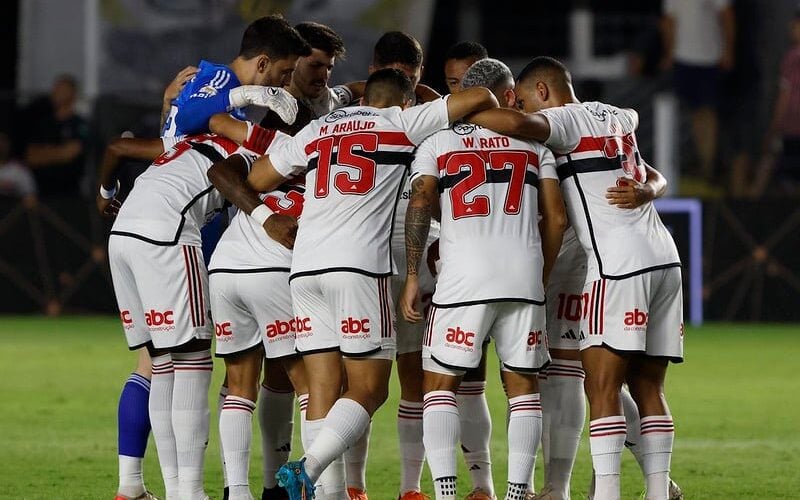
466, 50
322, 37
489, 73
396, 47
388, 84
273, 36
546, 67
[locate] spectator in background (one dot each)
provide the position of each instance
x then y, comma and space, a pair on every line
55, 144
698, 38
780, 165
15, 179
458, 60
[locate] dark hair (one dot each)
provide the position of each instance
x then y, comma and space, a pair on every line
545, 64
388, 84
322, 37
467, 50
273, 36
396, 47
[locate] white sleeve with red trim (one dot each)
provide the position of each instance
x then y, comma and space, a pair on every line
421, 121
425, 160
290, 158
564, 134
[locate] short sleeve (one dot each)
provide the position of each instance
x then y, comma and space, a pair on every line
248, 156
289, 157
560, 140
547, 163
169, 142
423, 120
425, 160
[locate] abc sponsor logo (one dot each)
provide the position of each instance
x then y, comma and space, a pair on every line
354, 327
280, 330
460, 339
635, 320
301, 327
223, 331
127, 321
159, 321
534, 339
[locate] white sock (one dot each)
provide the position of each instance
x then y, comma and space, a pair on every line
567, 416
131, 481
412, 451
161, 390
524, 432
607, 439
476, 433
441, 433
657, 437
344, 424
302, 403
634, 424
544, 395
190, 419
331, 482
223, 392
236, 433
276, 420
355, 461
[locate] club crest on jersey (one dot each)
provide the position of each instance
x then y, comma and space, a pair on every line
463, 128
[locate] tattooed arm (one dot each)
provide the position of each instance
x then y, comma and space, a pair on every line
424, 200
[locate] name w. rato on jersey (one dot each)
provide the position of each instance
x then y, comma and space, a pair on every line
173, 198
595, 148
355, 161
489, 240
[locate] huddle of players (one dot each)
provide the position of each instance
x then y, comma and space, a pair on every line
331, 298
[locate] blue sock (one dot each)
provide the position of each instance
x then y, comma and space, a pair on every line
133, 416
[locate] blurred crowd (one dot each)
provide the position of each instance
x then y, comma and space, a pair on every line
704, 49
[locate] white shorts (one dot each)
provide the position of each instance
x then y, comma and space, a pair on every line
409, 335
162, 292
455, 336
643, 313
565, 301
251, 309
345, 311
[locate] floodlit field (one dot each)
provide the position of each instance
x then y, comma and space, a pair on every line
736, 403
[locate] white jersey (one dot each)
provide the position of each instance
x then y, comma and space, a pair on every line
489, 241
595, 148
173, 198
356, 160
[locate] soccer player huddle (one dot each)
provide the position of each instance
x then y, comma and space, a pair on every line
376, 222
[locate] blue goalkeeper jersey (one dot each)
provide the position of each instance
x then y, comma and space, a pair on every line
203, 96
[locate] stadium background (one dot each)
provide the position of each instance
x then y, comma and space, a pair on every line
62, 356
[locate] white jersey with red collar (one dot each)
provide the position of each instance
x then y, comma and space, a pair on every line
595, 148
173, 198
355, 161
489, 239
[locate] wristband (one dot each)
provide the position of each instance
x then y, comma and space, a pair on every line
107, 194
260, 214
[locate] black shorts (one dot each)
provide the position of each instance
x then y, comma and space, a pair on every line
697, 86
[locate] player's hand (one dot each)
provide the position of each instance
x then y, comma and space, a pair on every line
108, 207
275, 98
409, 298
281, 228
175, 87
433, 257
629, 194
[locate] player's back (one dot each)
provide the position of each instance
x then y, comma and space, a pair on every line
595, 148
173, 198
489, 240
356, 161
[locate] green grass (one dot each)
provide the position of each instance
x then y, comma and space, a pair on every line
735, 403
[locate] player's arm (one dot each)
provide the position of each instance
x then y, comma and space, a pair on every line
552, 224
424, 196
252, 136
471, 100
667, 28
632, 194
727, 21
117, 149
511, 122
174, 89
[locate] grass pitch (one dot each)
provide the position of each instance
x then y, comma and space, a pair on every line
736, 403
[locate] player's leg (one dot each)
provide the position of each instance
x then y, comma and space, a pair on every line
409, 418
521, 344
452, 344
476, 426
276, 420
133, 416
